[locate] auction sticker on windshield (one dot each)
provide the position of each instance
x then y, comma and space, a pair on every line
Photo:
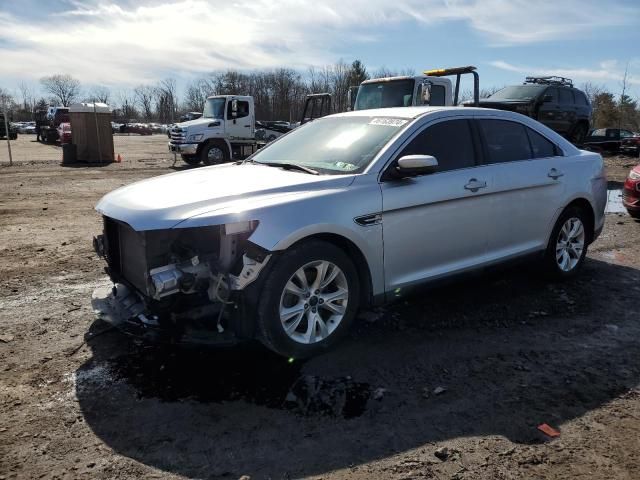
391, 122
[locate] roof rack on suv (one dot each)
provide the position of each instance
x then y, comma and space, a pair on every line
552, 80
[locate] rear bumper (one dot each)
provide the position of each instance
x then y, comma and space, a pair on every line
183, 148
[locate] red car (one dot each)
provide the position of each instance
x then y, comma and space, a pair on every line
631, 192
64, 132
631, 145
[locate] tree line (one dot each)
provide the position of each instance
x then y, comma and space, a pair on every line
279, 94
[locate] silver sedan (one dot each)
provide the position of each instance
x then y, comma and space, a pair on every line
350, 210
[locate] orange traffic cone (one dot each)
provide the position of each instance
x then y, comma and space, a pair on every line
119, 159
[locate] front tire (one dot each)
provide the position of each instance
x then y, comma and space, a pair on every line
568, 244
309, 300
214, 154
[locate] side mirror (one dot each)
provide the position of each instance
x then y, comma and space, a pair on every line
547, 99
424, 93
414, 165
234, 108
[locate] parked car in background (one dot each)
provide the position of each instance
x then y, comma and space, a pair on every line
136, 128
64, 133
607, 139
13, 130
287, 245
631, 145
631, 192
27, 128
190, 116
553, 101
269, 131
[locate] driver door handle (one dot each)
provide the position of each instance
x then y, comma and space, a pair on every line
555, 174
474, 185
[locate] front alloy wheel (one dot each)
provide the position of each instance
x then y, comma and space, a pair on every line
314, 302
570, 244
308, 299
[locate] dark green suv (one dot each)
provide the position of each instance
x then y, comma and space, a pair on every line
552, 101
13, 131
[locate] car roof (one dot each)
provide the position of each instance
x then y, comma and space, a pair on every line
443, 112
419, 111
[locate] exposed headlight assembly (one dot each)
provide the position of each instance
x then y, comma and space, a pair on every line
633, 175
195, 138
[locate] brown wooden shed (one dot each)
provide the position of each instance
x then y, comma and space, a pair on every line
91, 132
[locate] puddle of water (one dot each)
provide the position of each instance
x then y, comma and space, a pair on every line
251, 374
614, 202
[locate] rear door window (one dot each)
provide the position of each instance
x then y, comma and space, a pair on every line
505, 141
450, 142
553, 93
566, 96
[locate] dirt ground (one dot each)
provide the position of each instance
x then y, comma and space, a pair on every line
450, 385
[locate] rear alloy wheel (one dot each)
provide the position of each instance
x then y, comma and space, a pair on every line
568, 244
214, 154
309, 300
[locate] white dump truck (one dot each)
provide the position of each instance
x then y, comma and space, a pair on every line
431, 88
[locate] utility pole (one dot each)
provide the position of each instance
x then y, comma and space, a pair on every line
6, 129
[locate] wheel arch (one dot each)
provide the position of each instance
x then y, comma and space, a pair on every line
222, 142
585, 205
355, 254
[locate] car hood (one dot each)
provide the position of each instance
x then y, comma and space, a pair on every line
219, 193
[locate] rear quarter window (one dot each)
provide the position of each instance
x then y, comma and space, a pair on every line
540, 146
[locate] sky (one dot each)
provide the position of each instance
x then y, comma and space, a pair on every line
124, 43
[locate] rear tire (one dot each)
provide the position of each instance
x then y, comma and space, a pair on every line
579, 134
568, 243
308, 301
191, 159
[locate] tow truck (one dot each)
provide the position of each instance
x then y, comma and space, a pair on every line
430, 88
227, 129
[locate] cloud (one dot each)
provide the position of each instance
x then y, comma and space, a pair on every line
130, 42
608, 71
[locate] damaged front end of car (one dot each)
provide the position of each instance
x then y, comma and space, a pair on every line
180, 285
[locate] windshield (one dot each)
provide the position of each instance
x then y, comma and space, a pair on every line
383, 94
334, 145
214, 108
518, 92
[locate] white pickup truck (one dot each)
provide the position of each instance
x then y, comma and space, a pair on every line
226, 131
427, 89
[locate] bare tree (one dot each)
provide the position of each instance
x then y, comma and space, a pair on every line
196, 94
64, 88
145, 95
127, 105
166, 100
6, 100
27, 95
100, 94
